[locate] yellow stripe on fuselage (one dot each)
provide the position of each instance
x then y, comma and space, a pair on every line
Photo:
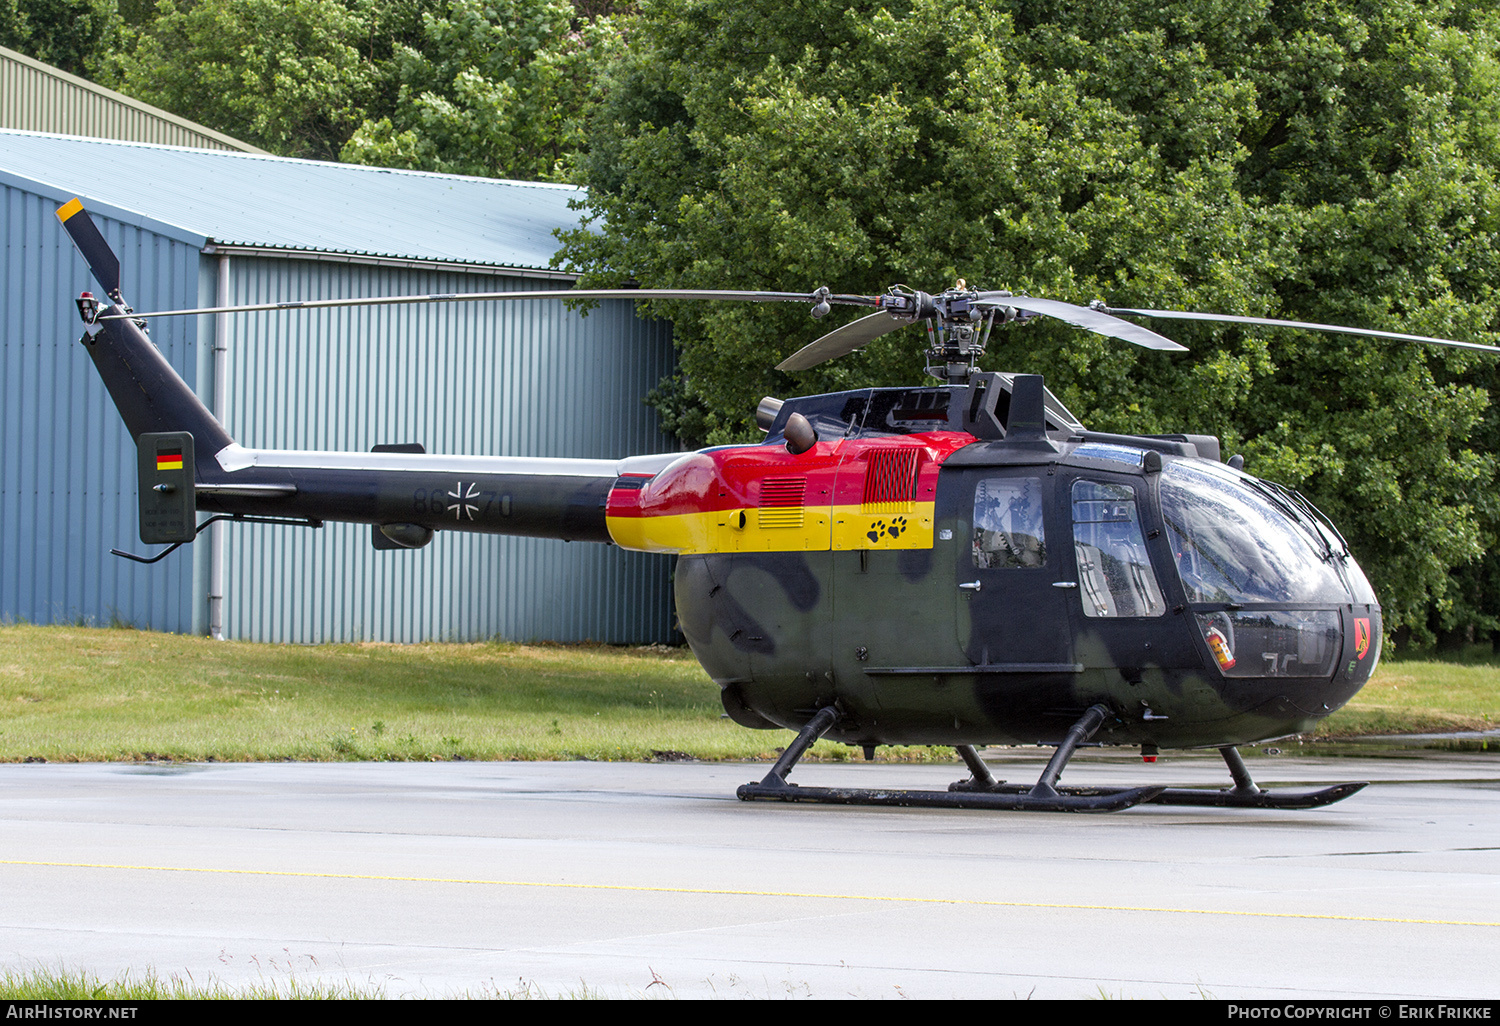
778, 529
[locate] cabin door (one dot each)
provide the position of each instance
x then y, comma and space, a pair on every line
1013, 582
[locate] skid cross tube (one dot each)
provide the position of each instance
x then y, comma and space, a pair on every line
816, 728
1078, 733
982, 779
982, 791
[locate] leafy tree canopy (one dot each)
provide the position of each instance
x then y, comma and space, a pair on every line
74, 35
286, 75
1322, 160
486, 87
491, 87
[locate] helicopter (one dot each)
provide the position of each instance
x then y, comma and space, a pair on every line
957, 564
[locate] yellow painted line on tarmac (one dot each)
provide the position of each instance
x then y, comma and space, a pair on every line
734, 892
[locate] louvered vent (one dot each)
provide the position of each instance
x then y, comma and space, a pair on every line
890, 481
781, 501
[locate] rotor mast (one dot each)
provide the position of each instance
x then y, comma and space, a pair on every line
958, 328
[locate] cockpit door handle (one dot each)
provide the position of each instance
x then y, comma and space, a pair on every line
971, 586
1064, 584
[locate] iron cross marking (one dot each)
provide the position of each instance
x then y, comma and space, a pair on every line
463, 508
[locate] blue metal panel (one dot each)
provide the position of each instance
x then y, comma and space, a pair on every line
526, 379
67, 481
248, 199
509, 379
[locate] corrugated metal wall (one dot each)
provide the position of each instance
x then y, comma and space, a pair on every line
67, 465
527, 378
507, 379
38, 98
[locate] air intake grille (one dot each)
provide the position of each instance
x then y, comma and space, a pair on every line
890, 481
781, 501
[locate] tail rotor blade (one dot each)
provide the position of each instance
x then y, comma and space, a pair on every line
842, 341
90, 242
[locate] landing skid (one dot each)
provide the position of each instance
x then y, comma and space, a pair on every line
1192, 796
1021, 801
983, 791
1246, 795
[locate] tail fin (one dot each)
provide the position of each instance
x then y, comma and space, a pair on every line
149, 394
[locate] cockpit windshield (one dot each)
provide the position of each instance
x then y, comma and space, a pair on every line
1238, 540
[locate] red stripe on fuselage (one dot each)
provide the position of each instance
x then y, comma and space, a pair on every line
732, 478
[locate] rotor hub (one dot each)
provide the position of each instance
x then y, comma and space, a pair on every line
958, 328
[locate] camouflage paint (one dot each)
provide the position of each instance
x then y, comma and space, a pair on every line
794, 607
910, 657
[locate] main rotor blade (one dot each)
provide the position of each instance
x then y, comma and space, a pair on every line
841, 341
475, 297
90, 242
1272, 322
1088, 319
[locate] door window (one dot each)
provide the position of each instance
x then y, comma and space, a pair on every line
1008, 528
1114, 572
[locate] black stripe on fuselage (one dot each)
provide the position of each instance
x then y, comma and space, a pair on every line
535, 505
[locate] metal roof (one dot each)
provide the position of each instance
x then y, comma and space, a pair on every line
242, 199
37, 97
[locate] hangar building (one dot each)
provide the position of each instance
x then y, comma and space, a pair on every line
37, 97
197, 227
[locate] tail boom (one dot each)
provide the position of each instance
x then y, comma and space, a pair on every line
530, 497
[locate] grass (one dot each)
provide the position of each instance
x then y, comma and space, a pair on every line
101, 694
1419, 696
65, 985
72, 693
45, 984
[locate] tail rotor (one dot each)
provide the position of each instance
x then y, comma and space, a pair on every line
90, 242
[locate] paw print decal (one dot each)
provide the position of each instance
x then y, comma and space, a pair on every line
880, 529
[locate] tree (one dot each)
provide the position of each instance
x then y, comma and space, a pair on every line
483, 87
74, 35
1320, 160
286, 75
491, 87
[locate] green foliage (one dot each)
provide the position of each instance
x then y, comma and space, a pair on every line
286, 75
74, 35
491, 87
1326, 160
1318, 160
61, 984
483, 87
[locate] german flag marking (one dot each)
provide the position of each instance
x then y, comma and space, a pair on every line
169, 460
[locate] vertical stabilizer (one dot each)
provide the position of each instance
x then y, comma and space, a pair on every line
149, 394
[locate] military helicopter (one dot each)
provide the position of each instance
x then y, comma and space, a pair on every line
959, 564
